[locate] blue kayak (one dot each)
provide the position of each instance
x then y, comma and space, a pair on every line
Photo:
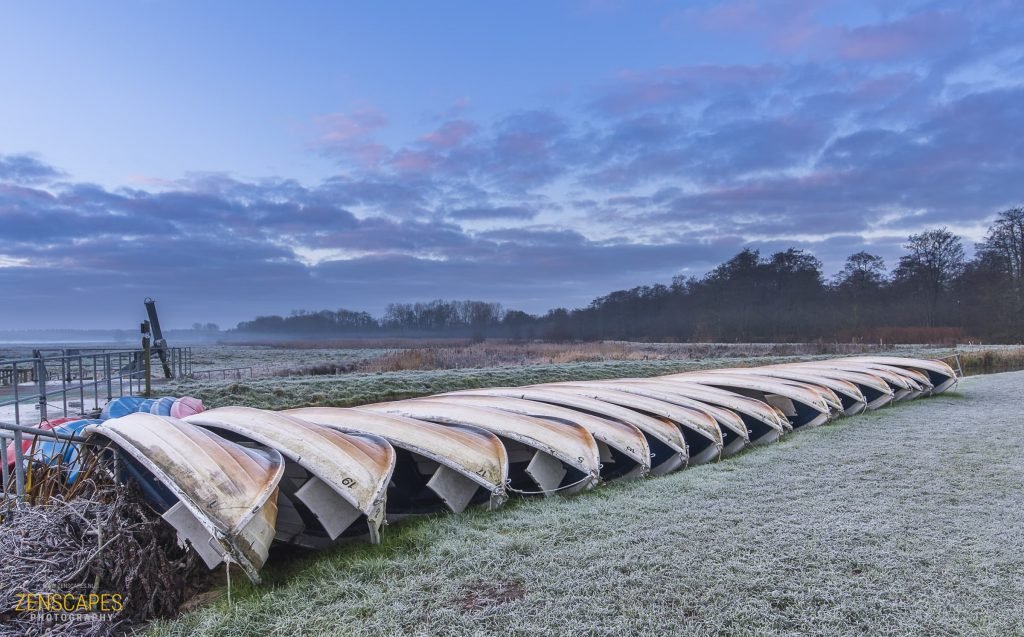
63, 452
162, 406
120, 407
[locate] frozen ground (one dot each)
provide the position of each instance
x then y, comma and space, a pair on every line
298, 358
356, 388
266, 360
908, 521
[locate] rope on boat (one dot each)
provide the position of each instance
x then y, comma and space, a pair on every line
585, 478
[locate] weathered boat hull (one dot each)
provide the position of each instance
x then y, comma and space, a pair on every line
332, 479
802, 406
703, 432
760, 423
902, 387
441, 466
876, 391
623, 448
219, 496
852, 400
940, 374
668, 447
917, 381
554, 458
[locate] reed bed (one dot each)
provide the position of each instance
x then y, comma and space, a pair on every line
92, 540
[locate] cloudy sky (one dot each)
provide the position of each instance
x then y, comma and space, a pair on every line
235, 159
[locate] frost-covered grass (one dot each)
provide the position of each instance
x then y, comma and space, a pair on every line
269, 360
498, 353
906, 521
357, 389
313, 358
343, 390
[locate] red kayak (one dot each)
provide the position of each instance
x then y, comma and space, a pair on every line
26, 439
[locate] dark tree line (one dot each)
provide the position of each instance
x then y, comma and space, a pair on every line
436, 318
932, 293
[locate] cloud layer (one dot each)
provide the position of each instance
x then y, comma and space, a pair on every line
846, 137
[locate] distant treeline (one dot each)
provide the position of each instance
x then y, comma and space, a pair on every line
932, 294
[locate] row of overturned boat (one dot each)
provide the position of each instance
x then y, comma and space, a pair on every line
233, 481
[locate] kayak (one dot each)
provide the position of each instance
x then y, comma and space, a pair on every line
220, 497
333, 480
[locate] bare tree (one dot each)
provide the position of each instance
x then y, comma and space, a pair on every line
1005, 245
934, 259
860, 285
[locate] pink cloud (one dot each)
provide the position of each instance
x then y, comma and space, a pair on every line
450, 134
785, 24
414, 161
351, 135
457, 108
345, 127
789, 26
917, 33
369, 155
734, 16
673, 85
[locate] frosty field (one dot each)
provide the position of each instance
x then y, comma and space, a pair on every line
340, 377
905, 521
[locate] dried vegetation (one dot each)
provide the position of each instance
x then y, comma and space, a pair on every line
91, 541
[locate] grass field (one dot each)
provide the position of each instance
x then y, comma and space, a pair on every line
491, 365
907, 521
345, 390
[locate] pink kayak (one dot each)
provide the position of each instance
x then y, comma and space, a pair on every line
186, 406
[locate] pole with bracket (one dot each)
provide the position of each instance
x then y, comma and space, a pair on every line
145, 357
40, 382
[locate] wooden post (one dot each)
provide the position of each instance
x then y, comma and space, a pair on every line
145, 356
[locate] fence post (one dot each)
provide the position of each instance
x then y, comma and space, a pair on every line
107, 373
3, 465
149, 368
19, 466
40, 382
17, 399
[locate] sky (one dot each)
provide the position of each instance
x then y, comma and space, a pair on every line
242, 159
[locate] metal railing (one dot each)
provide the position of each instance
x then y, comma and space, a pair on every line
223, 373
29, 386
959, 368
10, 432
